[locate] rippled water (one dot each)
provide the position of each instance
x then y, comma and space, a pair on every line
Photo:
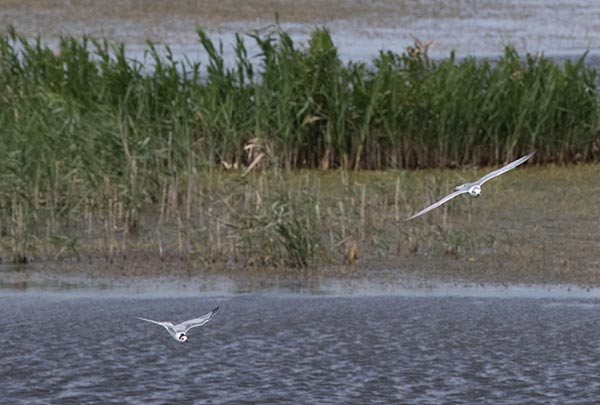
269, 348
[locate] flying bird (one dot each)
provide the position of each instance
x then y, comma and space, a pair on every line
474, 188
179, 331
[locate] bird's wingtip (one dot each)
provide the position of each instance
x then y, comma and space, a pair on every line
530, 154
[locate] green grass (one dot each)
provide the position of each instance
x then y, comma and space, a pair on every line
97, 150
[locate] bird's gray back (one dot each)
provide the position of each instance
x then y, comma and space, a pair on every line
464, 187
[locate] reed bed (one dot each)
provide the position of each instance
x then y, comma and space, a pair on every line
104, 155
296, 220
316, 219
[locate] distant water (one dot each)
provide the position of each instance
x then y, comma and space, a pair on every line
560, 29
299, 348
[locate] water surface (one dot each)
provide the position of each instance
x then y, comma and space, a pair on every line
299, 348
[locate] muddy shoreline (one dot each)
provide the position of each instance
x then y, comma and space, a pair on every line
375, 275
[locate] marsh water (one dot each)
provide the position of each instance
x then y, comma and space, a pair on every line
274, 347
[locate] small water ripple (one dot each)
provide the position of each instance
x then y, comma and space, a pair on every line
303, 349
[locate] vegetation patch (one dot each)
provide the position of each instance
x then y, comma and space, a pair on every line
102, 155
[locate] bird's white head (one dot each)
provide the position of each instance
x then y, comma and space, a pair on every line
182, 337
475, 191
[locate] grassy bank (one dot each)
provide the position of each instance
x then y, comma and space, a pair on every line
103, 155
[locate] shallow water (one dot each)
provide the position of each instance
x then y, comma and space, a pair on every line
299, 348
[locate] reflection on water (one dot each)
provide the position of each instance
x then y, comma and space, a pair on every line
267, 348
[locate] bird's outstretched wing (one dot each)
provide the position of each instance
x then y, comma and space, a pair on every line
504, 169
165, 325
436, 204
192, 323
